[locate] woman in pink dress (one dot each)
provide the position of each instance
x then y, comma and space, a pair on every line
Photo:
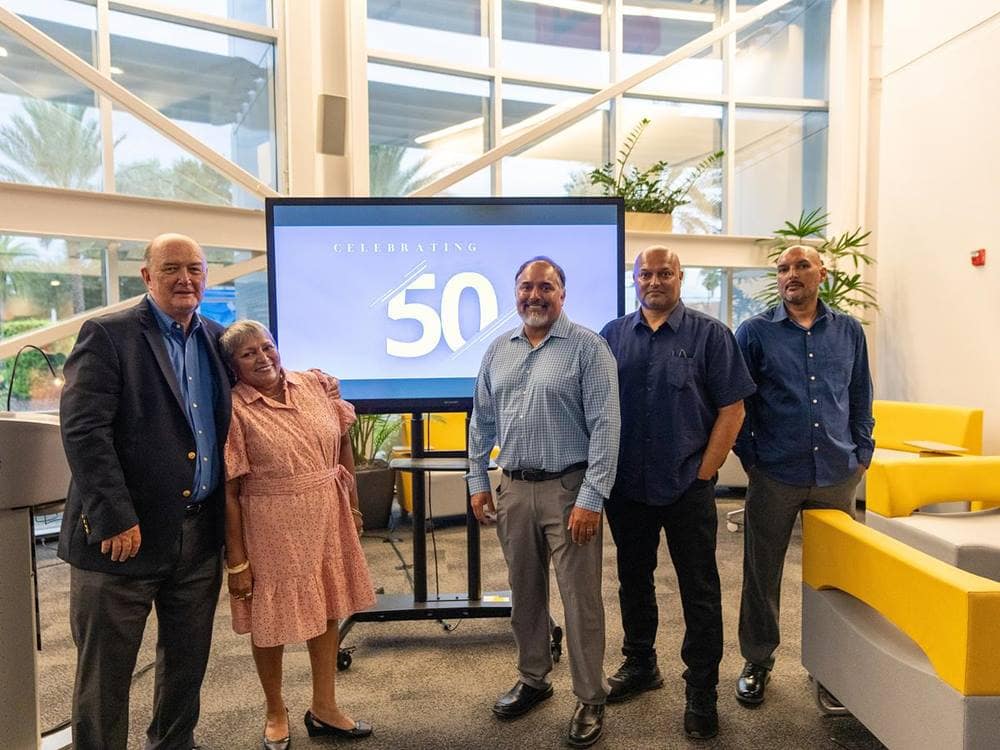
293, 557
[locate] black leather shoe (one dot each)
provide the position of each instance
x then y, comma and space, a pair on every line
634, 676
519, 700
587, 724
319, 728
701, 718
750, 685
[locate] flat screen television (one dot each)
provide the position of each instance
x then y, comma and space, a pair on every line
400, 297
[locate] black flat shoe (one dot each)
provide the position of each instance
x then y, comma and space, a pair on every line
635, 675
282, 744
319, 728
519, 700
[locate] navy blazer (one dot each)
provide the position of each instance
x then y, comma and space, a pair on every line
128, 443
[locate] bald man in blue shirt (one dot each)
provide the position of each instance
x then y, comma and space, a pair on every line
805, 444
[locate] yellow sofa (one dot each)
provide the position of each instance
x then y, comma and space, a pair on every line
907, 643
898, 490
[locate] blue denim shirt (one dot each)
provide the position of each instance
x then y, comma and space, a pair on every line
672, 382
810, 422
191, 364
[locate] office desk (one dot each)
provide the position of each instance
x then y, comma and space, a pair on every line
472, 604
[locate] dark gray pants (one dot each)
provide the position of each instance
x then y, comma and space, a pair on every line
771, 509
531, 524
108, 614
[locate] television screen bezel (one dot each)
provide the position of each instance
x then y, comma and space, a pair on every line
435, 404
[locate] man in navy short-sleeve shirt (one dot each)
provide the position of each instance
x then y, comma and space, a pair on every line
682, 382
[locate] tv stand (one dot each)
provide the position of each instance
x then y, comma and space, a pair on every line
396, 607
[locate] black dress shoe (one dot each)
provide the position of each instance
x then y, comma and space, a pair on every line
634, 676
701, 718
587, 724
519, 700
750, 685
319, 728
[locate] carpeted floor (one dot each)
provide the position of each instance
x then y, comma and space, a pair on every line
427, 687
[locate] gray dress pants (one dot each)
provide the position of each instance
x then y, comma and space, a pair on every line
108, 614
531, 524
771, 509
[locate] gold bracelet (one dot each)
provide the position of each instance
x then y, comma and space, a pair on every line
357, 513
238, 568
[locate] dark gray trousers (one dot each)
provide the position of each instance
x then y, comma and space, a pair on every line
108, 614
531, 524
771, 509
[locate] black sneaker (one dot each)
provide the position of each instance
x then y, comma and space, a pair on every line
634, 676
701, 719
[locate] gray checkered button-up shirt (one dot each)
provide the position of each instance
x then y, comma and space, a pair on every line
551, 406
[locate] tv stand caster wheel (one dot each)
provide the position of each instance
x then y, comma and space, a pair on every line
344, 660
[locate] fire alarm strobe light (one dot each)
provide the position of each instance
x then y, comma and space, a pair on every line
979, 257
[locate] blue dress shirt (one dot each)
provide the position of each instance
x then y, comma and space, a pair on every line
672, 381
810, 422
196, 378
551, 406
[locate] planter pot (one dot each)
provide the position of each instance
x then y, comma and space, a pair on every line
641, 222
376, 485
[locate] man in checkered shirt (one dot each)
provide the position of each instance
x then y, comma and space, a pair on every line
547, 394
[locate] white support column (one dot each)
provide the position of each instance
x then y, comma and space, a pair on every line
324, 45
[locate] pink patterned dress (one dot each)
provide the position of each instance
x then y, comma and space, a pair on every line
307, 562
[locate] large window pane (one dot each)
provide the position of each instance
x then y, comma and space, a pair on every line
224, 97
780, 167
451, 30
786, 52
251, 11
682, 134
422, 125
49, 126
556, 40
557, 165
747, 282
703, 289
652, 29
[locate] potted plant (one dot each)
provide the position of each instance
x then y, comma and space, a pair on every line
651, 194
844, 289
375, 480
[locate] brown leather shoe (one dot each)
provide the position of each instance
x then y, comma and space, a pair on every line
519, 700
587, 724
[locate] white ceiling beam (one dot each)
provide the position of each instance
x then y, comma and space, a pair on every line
57, 212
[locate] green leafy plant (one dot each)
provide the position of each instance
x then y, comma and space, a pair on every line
844, 289
652, 190
370, 434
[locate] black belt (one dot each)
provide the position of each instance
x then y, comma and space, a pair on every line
537, 475
193, 509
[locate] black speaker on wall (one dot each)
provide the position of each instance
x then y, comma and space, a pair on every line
332, 124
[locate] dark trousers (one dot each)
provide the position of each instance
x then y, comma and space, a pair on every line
769, 517
690, 525
108, 614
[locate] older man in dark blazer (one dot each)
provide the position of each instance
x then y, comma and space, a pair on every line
145, 413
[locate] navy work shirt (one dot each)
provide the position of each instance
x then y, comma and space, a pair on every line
810, 422
672, 383
192, 365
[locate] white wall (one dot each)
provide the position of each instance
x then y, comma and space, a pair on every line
938, 199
